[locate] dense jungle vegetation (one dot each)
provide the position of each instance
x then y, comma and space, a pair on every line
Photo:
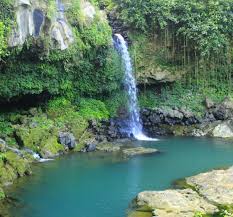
193, 37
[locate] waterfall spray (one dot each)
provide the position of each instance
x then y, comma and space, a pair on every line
135, 126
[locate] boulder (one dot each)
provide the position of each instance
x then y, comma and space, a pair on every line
174, 203
223, 110
67, 139
130, 152
90, 147
216, 186
223, 130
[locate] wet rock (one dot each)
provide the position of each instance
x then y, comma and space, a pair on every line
162, 121
50, 147
67, 139
216, 186
108, 147
130, 152
90, 147
174, 203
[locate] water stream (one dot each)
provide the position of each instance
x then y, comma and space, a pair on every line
135, 126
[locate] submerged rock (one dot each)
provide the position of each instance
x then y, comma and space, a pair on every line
174, 203
108, 147
216, 186
129, 152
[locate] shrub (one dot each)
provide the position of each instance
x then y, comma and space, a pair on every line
93, 109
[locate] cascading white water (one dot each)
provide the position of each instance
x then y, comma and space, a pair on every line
135, 126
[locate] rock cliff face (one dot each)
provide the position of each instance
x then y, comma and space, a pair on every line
41, 18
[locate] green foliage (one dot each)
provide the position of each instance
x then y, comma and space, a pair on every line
117, 102
192, 36
2, 194
93, 109
178, 95
225, 211
5, 128
97, 34
3, 45
3, 157
207, 23
201, 214
89, 67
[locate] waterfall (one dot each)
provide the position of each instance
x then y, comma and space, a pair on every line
135, 126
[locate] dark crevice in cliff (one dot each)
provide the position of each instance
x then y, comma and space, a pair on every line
24, 102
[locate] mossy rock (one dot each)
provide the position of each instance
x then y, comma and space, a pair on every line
140, 214
7, 173
20, 165
50, 147
142, 211
86, 137
2, 194
182, 184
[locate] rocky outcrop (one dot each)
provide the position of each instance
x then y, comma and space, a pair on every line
109, 130
216, 186
154, 75
171, 203
206, 193
216, 122
166, 121
42, 18
33, 19
67, 139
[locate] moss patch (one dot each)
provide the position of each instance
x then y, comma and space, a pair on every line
2, 194
140, 214
50, 147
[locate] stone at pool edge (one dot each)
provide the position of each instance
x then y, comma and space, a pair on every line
174, 203
108, 147
216, 186
125, 150
134, 151
211, 188
67, 139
